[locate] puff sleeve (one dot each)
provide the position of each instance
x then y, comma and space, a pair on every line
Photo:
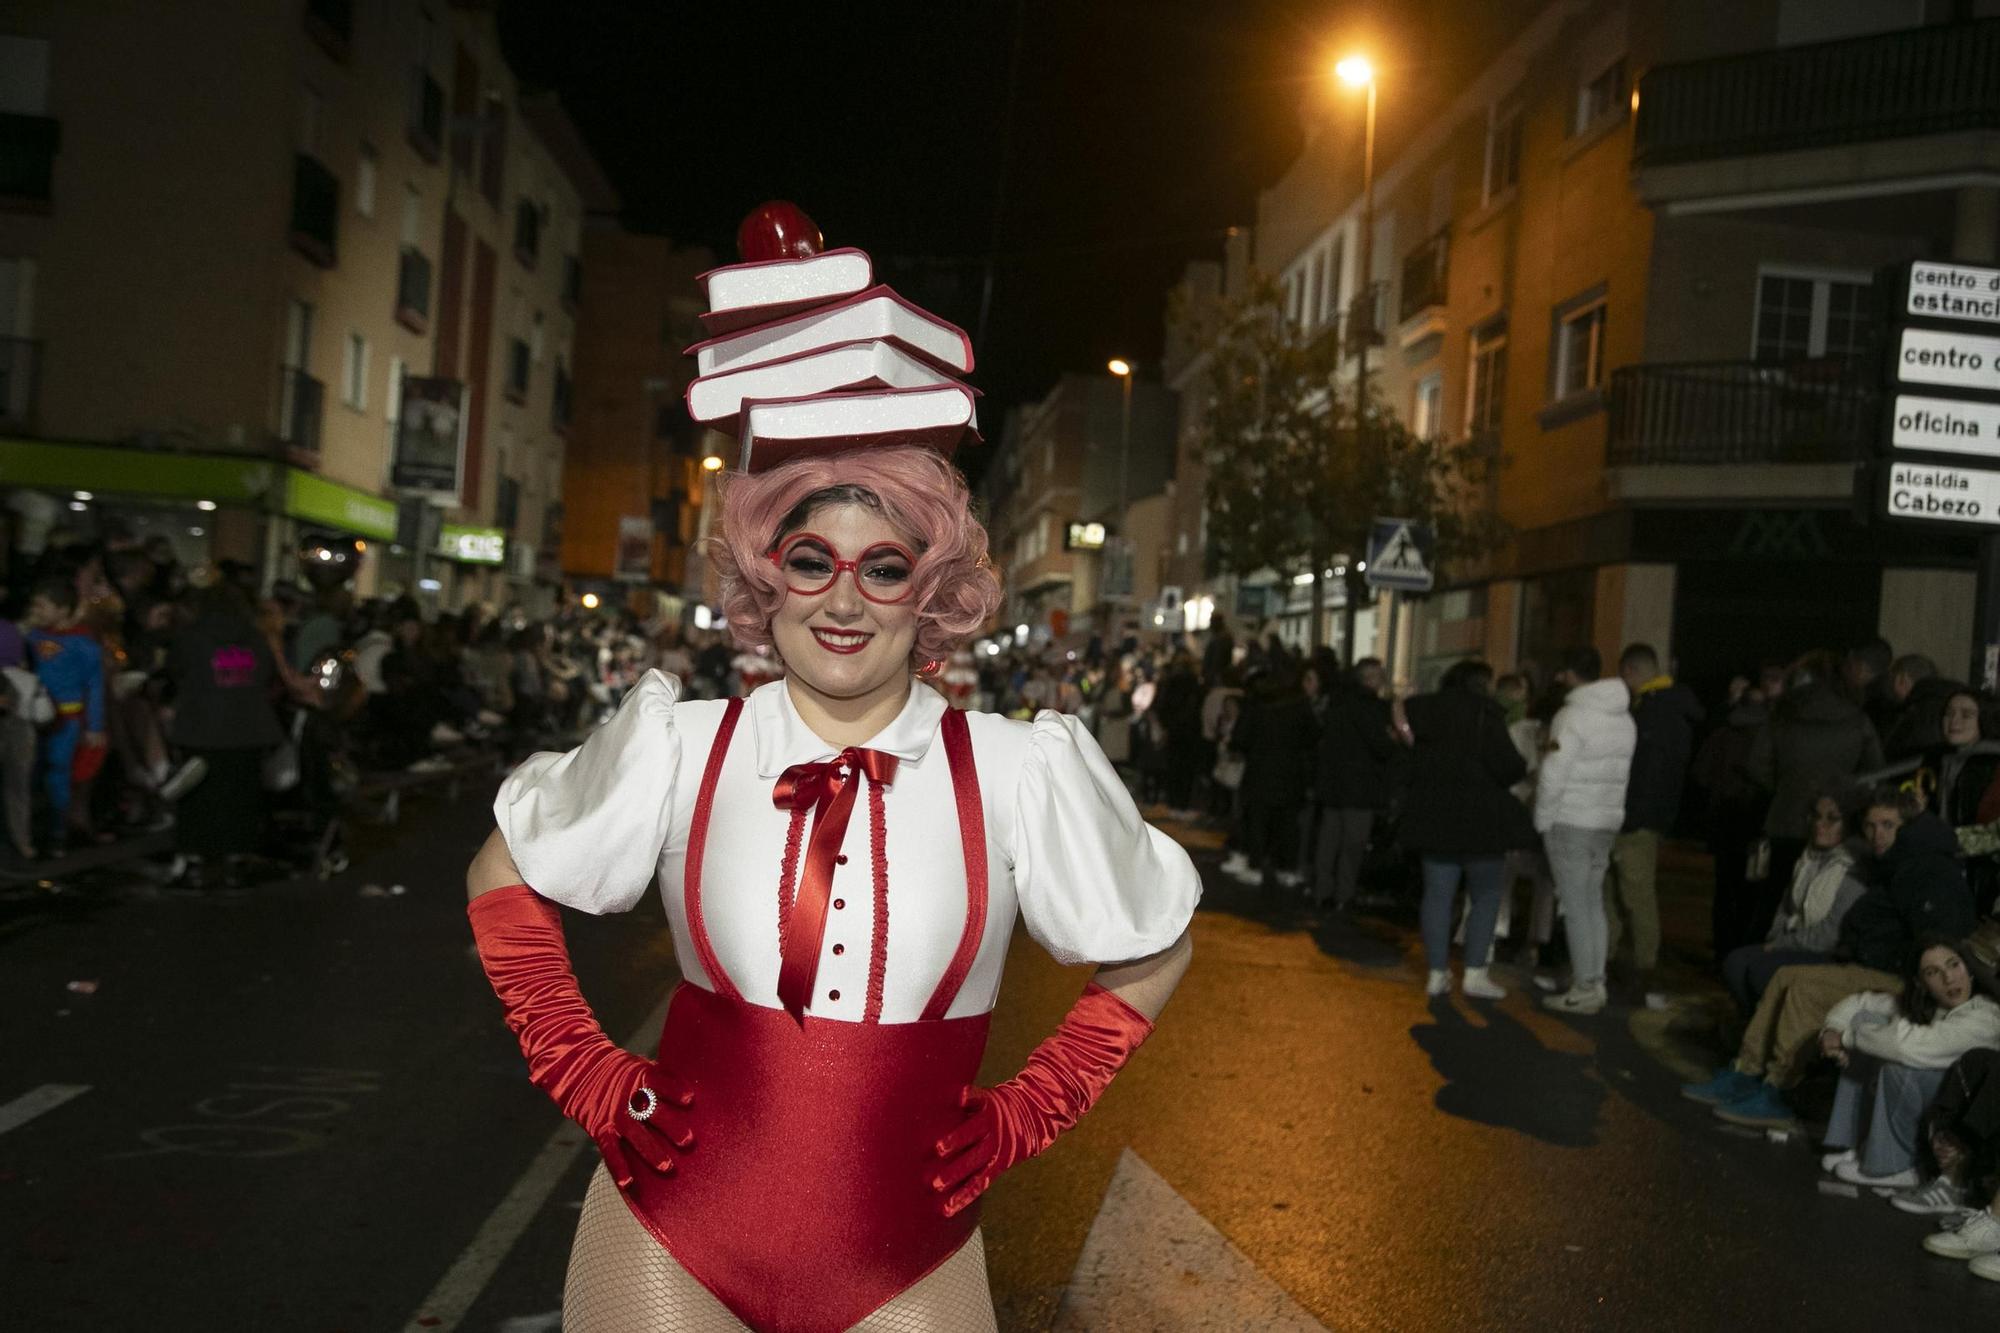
1096, 883
585, 828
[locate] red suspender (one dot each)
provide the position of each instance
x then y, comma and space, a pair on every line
698, 844
972, 833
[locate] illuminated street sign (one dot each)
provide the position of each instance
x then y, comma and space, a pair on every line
1953, 291
1939, 494
1946, 425
1084, 537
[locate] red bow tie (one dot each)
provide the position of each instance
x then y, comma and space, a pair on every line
828, 789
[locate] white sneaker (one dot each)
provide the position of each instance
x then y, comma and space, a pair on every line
1980, 1235
1986, 1266
1577, 1000
1935, 1198
1832, 1161
1438, 983
1236, 863
1852, 1173
1290, 879
1480, 986
444, 734
185, 779
436, 763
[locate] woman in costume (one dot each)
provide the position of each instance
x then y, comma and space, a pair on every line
842, 858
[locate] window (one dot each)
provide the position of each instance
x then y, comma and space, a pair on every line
1804, 315
393, 399
1577, 365
312, 122
364, 182
354, 373
1601, 97
1329, 294
1308, 286
24, 76
1486, 383
527, 232
413, 217
518, 362
1427, 408
1292, 300
1503, 151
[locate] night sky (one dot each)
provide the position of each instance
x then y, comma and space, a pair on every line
1139, 133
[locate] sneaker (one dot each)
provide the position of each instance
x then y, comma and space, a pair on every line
1955, 1219
1547, 983
1290, 879
1577, 1000
1438, 983
1763, 1109
445, 734
1236, 863
1729, 1084
185, 779
1980, 1235
1936, 1198
1986, 1266
1479, 986
1852, 1173
436, 763
1829, 1162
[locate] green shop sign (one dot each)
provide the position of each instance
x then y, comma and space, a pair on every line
475, 546
318, 500
223, 478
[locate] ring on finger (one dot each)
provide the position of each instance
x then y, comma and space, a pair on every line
643, 1102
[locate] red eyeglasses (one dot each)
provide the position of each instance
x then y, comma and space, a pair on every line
810, 564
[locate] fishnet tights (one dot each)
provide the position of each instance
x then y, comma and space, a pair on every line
622, 1280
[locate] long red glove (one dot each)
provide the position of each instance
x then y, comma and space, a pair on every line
594, 1082
1064, 1078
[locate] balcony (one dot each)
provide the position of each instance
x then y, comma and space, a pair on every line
413, 290
301, 399
1898, 85
330, 23
426, 127
1424, 272
315, 210
1739, 413
20, 377
27, 158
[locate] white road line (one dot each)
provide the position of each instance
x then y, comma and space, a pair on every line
453, 1296
31, 1104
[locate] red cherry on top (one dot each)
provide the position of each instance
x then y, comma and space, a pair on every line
778, 229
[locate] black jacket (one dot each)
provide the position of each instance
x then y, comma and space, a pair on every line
1814, 736
1275, 737
1666, 719
1920, 890
1351, 769
222, 670
1459, 803
1918, 725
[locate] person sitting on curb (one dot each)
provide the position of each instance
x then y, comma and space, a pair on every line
1826, 882
1893, 1051
1919, 891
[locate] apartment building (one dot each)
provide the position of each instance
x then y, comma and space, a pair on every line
1077, 503
635, 458
229, 233
1636, 252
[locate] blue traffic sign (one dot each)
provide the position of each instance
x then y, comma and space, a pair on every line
1399, 555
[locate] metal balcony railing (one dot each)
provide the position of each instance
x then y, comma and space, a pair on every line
1929, 80
1425, 270
1737, 412
20, 380
413, 290
301, 400
315, 210
28, 156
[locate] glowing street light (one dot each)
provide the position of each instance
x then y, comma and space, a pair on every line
1355, 71
713, 463
590, 601
1118, 365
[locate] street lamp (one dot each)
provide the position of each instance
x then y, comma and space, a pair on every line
1122, 368
1356, 71
712, 463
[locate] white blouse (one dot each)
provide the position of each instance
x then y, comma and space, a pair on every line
592, 828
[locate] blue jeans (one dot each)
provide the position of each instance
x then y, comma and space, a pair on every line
1878, 1108
1749, 969
1485, 877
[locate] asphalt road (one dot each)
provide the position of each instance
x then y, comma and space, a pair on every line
302, 1113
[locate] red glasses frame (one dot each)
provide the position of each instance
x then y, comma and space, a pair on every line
778, 555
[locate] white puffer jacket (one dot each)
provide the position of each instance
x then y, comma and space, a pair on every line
1870, 1022
1581, 782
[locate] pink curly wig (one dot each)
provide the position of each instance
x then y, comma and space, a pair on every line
920, 493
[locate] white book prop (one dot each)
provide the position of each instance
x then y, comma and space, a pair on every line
740, 295
875, 313
936, 418
717, 400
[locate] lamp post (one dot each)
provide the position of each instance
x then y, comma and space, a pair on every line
1122, 368
1356, 71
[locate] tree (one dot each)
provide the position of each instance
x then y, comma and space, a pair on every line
1298, 471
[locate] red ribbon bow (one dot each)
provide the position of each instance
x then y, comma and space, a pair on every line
828, 788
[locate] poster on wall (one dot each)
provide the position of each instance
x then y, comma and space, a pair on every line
634, 561
429, 455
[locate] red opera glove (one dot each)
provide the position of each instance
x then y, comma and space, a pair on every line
1063, 1078
628, 1105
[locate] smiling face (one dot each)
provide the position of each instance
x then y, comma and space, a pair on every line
1943, 973
1961, 720
835, 640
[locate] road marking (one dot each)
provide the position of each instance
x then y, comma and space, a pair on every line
31, 1104
1152, 1261
455, 1292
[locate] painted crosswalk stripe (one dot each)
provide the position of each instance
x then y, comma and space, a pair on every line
28, 1105
455, 1292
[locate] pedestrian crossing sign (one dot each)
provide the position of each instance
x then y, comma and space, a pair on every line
1399, 555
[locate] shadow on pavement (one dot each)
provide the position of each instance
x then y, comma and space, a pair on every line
1499, 1073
